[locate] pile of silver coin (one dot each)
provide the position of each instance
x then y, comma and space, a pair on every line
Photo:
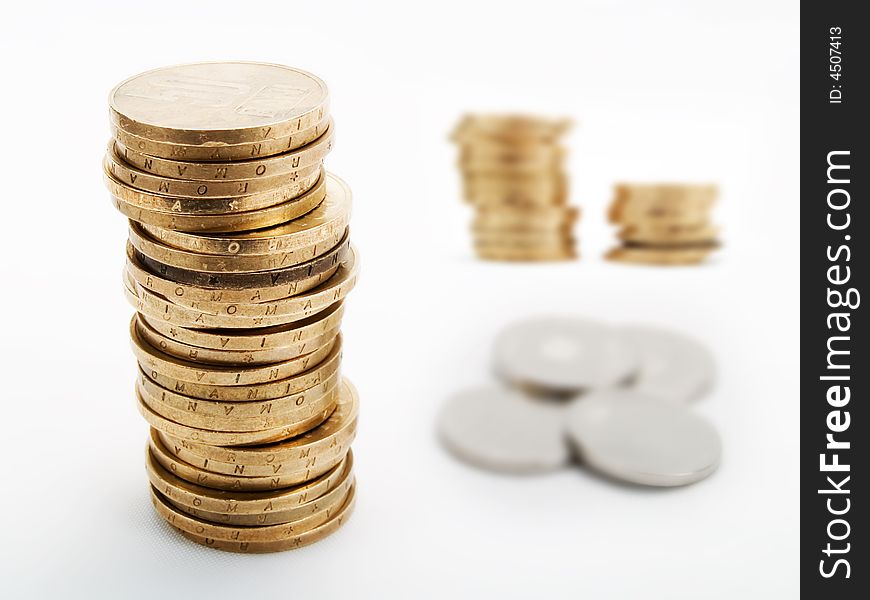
615, 399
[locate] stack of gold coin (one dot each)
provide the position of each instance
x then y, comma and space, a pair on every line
664, 224
238, 263
512, 172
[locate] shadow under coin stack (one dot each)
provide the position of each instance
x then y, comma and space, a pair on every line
513, 176
238, 263
664, 224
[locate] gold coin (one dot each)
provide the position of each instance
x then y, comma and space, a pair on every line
295, 182
141, 285
662, 203
153, 359
206, 308
248, 409
219, 103
530, 232
326, 260
493, 193
495, 169
220, 152
251, 340
671, 234
514, 128
659, 256
236, 482
330, 218
665, 193
283, 164
243, 503
317, 403
520, 242
671, 215
233, 532
241, 316
313, 456
525, 255
273, 517
488, 148
231, 357
331, 438
245, 393
156, 250
291, 543
523, 239
205, 206
226, 438
544, 217
239, 221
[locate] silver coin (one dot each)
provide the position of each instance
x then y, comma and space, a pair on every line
563, 355
673, 367
500, 429
640, 440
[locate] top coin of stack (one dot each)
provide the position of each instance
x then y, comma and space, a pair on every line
512, 173
664, 224
238, 263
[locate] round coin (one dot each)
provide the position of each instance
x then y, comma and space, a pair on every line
673, 367
659, 256
670, 234
329, 259
315, 403
328, 219
243, 503
159, 252
267, 533
283, 164
231, 357
251, 340
234, 482
235, 221
285, 303
291, 515
153, 359
279, 388
191, 206
241, 316
295, 404
220, 152
330, 438
291, 543
212, 103
525, 254
299, 180
225, 438
633, 438
502, 430
540, 218
563, 355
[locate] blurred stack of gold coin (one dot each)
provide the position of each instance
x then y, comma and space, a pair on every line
664, 224
238, 263
513, 175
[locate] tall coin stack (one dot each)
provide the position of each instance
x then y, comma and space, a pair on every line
238, 263
664, 224
513, 175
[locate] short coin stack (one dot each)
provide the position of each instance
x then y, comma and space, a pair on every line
664, 224
238, 263
513, 176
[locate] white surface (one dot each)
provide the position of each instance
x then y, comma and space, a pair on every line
666, 90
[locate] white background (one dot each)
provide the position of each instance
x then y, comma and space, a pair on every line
686, 91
